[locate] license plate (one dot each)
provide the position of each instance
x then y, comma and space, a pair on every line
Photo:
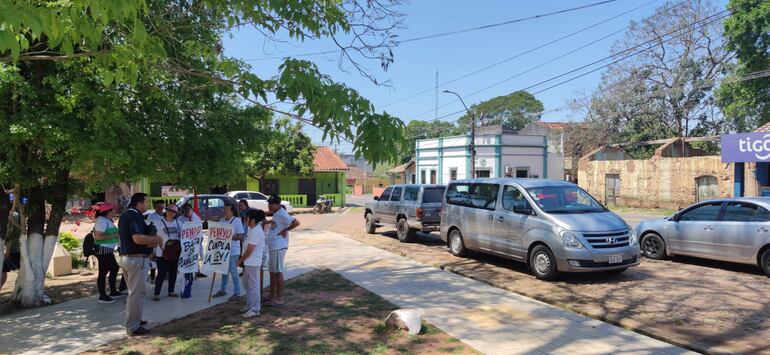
616, 259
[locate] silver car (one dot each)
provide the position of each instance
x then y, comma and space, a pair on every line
734, 229
553, 226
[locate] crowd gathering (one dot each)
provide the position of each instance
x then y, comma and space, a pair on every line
148, 245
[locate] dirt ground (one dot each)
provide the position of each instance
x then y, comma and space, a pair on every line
704, 305
324, 313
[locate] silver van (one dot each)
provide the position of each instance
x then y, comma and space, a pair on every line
552, 225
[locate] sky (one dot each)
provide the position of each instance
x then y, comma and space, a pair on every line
416, 63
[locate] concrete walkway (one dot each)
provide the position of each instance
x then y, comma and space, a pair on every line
489, 319
83, 324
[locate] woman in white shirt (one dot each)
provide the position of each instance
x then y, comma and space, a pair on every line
251, 259
106, 239
168, 264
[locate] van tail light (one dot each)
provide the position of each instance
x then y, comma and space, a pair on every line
418, 212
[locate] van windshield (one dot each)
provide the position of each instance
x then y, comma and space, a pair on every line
433, 194
564, 199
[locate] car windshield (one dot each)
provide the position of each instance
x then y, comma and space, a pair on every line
433, 194
564, 199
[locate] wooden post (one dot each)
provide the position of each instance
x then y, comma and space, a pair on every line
211, 289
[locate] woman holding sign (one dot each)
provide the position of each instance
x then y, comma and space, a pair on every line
235, 253
167, 253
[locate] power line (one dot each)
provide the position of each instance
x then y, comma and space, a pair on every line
556, 58
444, 34
720, 15
526, 52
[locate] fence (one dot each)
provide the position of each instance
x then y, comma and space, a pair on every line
296, 200
337, 198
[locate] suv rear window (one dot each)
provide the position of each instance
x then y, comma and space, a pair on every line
433, 194
411, 192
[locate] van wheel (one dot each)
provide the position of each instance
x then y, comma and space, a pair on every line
653, 246
543, 263
405, 234
456, 244
765, 262
371, 225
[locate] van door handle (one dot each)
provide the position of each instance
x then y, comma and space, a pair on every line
708, 228
491, 217
762, 229
500, 219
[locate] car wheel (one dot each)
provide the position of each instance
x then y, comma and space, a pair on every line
405, 234
543, 263
765, 262
653, 246
371, 225
456, 244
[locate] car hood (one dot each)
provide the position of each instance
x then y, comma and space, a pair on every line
590, 222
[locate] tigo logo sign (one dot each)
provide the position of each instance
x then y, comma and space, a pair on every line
745, 147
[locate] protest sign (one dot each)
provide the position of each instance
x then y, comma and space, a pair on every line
191, 235
217, 257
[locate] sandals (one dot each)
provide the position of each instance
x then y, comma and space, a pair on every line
173, 294
156, 298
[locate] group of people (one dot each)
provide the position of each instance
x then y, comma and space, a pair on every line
142, 243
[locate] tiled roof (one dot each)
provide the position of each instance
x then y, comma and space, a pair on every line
764, 128
355, 172
327, 160
553, 125
401, 168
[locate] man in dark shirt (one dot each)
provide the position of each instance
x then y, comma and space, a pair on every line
135, 249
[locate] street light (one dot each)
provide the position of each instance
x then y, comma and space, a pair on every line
473, 132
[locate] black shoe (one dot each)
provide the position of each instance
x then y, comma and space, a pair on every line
116, 294
200, 274
141, 323
139, 331
106, 300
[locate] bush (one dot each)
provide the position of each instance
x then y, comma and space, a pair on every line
69, 242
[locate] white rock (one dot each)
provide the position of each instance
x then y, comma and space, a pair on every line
409, 319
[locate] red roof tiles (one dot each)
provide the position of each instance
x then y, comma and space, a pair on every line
327, 160
764, 128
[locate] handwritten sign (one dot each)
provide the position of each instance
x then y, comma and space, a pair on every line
218, 248
191, 236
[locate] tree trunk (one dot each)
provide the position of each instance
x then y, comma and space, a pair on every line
57, 197
28, 290
5, 213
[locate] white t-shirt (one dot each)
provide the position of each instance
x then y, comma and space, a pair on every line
104, 224
256, 237
193, 218
281, 220
155, 218
167, 231
235, 245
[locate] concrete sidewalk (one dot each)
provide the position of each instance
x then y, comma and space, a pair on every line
491, 320
83, 324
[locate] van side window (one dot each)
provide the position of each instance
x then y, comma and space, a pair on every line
473, 195
513, 197
396, 194
411, 192
386, 194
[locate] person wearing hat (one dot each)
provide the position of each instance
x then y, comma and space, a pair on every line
167, 253
106, 238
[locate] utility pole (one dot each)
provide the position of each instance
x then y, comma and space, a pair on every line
472, 145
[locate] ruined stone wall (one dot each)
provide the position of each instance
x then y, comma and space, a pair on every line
659, 182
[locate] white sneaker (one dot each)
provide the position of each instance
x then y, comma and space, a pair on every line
250, 314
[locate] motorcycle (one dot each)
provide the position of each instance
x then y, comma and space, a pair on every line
323, 205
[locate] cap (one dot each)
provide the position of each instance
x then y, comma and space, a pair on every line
274, 199
102, 206
172, 207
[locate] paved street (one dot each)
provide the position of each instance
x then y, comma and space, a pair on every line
709, 305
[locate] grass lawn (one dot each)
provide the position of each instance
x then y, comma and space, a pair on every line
324, 313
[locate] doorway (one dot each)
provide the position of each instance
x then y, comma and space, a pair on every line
611, 189
307, 187
270, 187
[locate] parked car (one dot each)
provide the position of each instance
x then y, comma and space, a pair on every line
211, 206
257, 200
733, 229
410, 208
553, 226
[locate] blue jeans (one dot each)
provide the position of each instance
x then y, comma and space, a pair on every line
232, 271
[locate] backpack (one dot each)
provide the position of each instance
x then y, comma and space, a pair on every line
89, 245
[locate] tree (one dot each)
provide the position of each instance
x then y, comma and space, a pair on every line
513, 111
286, 150
744, 98
115, 91
416, 130
668, 89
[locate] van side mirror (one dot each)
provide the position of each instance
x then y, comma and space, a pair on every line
376, 198
524, 208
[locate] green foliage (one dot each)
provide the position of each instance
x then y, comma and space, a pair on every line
284, 150
69, 242
746, 100
513, 111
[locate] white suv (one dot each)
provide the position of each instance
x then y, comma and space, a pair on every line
257, 200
